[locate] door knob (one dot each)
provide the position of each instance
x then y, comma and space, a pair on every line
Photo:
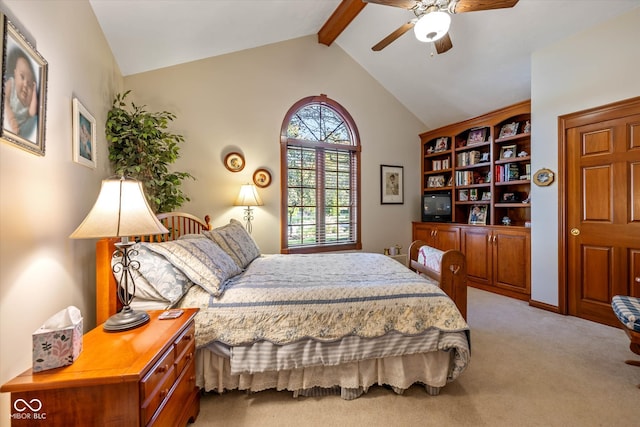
575, 232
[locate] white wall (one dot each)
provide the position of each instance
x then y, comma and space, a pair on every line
238, 102
43, 199
592, 68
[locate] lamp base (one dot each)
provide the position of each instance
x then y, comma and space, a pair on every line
126, 319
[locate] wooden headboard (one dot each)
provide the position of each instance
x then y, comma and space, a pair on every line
178, 224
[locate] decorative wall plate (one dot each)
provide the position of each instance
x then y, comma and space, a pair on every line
234, 162
262, 178
543, 177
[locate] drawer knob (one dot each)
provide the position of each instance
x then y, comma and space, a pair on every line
163, 368
163, 393
189, 356
188, 337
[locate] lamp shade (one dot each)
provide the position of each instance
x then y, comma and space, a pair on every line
121, 210
248, 196
432, 26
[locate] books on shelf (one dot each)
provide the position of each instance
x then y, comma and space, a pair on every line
512, 172
468, 158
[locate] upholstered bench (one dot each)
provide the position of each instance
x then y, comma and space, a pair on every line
627, 310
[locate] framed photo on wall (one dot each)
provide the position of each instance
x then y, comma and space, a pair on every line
84, 136
391, 185
24, 92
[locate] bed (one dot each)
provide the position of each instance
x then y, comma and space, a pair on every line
311, 324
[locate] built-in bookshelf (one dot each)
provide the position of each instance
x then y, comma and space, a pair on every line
486, 164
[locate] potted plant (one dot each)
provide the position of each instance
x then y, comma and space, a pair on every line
140, 146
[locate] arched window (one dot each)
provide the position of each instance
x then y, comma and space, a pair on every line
320, 175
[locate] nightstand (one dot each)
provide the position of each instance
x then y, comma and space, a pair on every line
141, 377
401, 258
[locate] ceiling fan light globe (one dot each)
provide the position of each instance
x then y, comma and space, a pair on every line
432, 26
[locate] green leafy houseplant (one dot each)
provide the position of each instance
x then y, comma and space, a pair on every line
141, 147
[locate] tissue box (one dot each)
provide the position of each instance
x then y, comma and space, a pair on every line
59, 341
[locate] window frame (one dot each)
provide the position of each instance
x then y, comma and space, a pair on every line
355, 148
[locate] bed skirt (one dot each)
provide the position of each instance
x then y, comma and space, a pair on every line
350, 380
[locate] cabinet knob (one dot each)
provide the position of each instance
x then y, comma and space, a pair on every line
638, 279
575, 232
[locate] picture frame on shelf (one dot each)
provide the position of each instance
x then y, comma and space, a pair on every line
473, 194
463, 195
436, 181
478, 215
84, 135
509, 198
509, 129
486, 196
391, 185
476, 136
442, 144
508, 152
24, 129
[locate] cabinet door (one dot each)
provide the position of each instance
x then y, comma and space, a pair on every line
447, 237
424, 231
511, 259
477, 247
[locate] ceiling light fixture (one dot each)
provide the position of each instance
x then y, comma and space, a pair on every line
432, 26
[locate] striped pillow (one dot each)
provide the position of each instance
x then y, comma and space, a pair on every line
236, 242
201, 260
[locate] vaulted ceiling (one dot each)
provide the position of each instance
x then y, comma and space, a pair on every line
487, 68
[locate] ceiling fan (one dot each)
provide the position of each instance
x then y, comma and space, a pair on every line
432, 20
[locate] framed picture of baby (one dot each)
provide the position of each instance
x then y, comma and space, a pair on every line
24, 91
84, 135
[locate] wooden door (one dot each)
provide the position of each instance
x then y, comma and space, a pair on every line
602, 228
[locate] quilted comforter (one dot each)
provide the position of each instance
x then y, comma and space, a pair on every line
286, 298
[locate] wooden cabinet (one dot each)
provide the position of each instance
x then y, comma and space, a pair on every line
141, 377
438, 235
485, 162
498, 259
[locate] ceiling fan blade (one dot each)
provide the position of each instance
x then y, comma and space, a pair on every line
443, 44
474, 5
393, 36
405, 4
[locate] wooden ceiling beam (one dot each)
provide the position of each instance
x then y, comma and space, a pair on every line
346, 11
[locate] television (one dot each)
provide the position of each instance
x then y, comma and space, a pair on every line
436, 207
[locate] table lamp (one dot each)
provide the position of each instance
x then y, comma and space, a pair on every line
248, 197
121, 210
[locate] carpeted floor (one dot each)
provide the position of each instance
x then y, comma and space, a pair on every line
528, 367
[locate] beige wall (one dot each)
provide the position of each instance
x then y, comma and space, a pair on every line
237, 102
43, 199
581, 72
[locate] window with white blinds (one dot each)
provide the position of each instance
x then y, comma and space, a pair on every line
320, 152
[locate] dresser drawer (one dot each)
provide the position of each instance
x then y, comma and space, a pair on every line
185, 348
161, 372
185, 395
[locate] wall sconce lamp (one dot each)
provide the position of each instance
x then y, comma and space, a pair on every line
121, 210
248, 197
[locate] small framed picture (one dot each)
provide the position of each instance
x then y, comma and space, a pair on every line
476, 136
234, 162
509, 198
24, 108
478, 215
486, 195
463, 195
442, 144
509, 129
473, 194
84, 135
508, 152
435, 181
391, 185
262, 178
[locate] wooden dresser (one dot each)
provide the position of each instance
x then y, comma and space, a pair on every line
141, 377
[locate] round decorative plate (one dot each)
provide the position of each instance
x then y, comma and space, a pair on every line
543, 177
262, 178
234, 162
